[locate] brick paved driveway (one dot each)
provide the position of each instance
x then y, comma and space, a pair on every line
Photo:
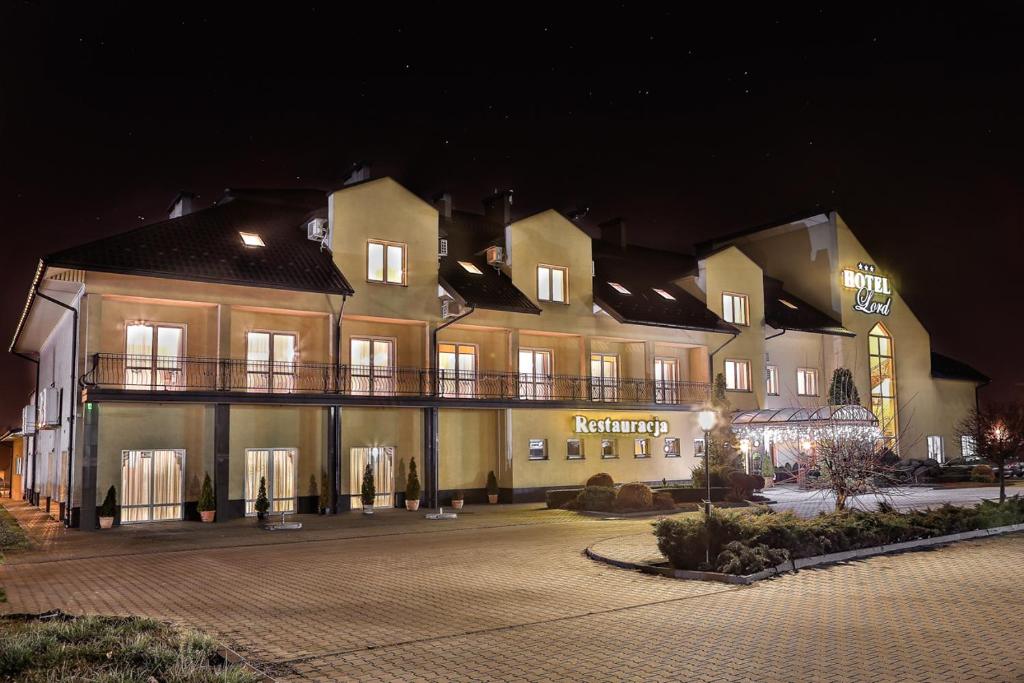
506, 594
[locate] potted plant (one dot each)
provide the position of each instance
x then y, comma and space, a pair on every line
412, 488
368, 492
109, 509
207, 505
492, 488
325, 495
458, 499
262, 502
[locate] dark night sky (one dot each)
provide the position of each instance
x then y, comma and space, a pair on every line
687, 123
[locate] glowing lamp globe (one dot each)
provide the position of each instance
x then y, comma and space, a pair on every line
707, 419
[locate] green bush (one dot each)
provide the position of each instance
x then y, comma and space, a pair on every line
742, 559
557, 498
598, 498
109, 506
368, 492
412, 484
262, 502
601, 479
719, 476
206, 500
634, 496
664, 501
684, 542
982, 473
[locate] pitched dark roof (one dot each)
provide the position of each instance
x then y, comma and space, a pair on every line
803, 318
468, 236
640, 270
205, 245
944, 367
707, 247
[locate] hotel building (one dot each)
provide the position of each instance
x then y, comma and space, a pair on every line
300, 335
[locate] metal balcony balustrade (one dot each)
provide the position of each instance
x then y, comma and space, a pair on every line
128, 373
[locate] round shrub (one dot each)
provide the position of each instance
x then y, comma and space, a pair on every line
982, 473
601, 479
634, 496
599, 498
664, 501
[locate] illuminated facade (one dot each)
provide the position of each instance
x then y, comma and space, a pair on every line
298, 336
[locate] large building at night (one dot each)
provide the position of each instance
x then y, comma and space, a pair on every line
301, 335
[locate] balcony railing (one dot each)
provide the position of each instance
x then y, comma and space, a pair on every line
126, 372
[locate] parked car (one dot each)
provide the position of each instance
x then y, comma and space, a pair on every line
1014, 468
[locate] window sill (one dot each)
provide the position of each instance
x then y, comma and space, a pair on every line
676, 455
641, 457
808, 395
771, 394
537, 459
609, 457
574, 457
740, 391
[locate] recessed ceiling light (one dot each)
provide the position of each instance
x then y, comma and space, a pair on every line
787, 303
470, 267
251, 239
664, 295
619, 288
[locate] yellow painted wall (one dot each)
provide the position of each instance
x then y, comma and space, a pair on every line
200, 323
470, 443
401, 428
304, 428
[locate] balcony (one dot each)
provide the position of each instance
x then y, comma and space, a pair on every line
125, 377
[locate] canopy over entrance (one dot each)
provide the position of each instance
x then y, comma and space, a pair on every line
792, 417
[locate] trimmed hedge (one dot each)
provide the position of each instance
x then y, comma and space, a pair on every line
598, 498
600, 479
688, 494
684, 541
557, 498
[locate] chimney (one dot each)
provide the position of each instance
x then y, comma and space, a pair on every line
498, 207
181, 205
614, 232
359, 172
443, 203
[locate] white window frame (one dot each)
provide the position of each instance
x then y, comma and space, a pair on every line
677, 452
699, 448
534, 386
279, 374
641, 448
580, 454
602, 387
380, 379
272, 493
462, 382
531, 445
151, 506
544, 276
384, 279
734, 379
736, 308
936, 448
807, 382
613, 444
666, 379
772, 380
166, 373
968, 446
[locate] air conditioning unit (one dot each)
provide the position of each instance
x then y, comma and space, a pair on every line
442, 247
450, 309
495, 256
316, 229
28, 420
49, 408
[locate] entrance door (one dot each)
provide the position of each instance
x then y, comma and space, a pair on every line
277, 465
666, 378
382, 459
152, 484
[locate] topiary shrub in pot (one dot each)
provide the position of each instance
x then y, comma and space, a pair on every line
458, 499
108, 510
207, 504
634, 496
262, 504
596, 498
492, 488
368, 492
600, 479
412, 488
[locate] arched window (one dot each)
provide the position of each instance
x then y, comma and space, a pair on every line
883, 382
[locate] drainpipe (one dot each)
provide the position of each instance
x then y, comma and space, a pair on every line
337, 340
334, 419
711, 358
31, 487
71, 388
432, 428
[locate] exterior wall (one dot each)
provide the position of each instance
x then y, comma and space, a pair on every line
791, 351
470, 446
400, 428
52, 445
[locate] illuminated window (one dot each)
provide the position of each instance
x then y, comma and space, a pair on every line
663, 294
672, 447
277, 467
806, 382
967, 447
666, 380
251, 239
538, 449
270, 361
737, 375
698, 448
385, 262
152, 485
372, 366
788, 304
604, 376
552, 283
735, 309
574, 449
456, 369
883, 383
641, 448
153, 356
619, 288
469, 267
534, 374
608, 449
772, 380
936, 449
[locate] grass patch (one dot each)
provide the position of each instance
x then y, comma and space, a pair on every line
12, 536
108, 649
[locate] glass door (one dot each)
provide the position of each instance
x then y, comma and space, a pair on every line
534, 374
152, 485
604, 376
666, 378
278, 466
270, 361
372, 366
153, 356
382, 460
456, 369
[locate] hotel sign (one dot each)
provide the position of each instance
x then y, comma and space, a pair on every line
873, 293
607, 425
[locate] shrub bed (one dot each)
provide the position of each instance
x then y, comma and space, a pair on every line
688, 494
763, 538
557, 498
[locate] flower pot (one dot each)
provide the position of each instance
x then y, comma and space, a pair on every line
106, 522
492, 498
457, 504
412, 505
207, 515
367, 509
260, 516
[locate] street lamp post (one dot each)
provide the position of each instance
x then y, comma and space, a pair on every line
707, 419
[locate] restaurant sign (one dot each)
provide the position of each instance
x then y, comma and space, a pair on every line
873, 293
607, 425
